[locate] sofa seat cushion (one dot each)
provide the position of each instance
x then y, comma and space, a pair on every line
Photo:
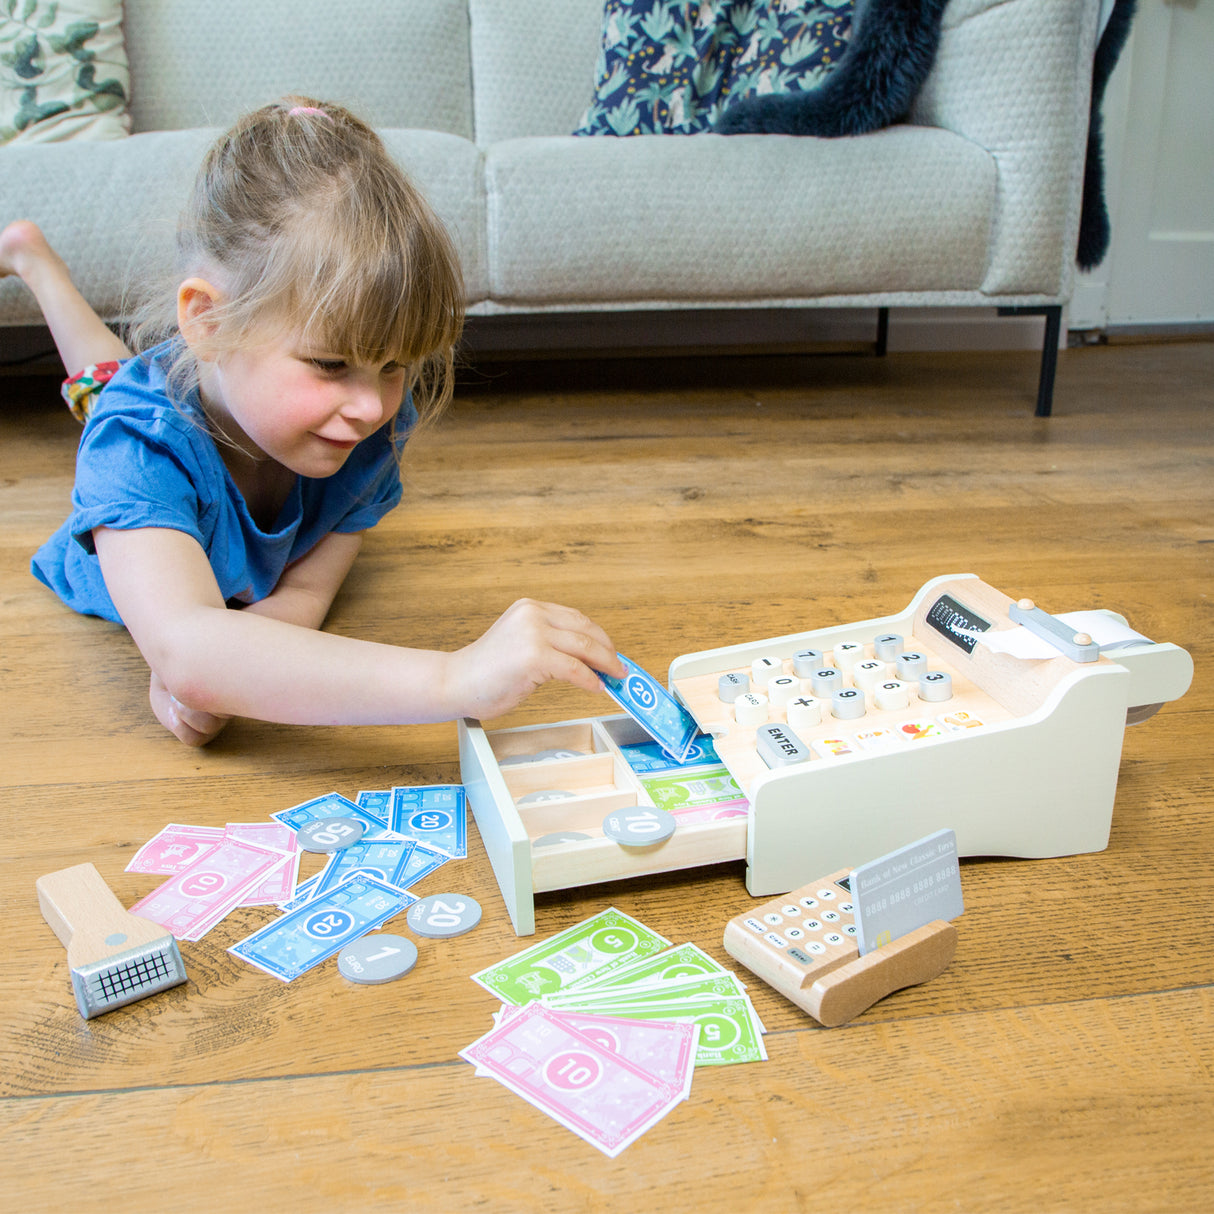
110, 208
98, 201
717, 218
450, 172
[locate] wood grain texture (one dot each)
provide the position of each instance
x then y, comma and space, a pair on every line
1062, 1062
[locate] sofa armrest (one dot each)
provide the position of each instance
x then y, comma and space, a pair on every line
1014, 76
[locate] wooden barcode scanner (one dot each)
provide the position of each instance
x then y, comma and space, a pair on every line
115, 957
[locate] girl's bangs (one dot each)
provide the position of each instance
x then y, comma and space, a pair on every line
379, 302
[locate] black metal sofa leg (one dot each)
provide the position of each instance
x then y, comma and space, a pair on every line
1049, 351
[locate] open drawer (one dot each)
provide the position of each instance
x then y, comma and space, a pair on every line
539, 794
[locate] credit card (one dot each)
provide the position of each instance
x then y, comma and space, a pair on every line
906, 889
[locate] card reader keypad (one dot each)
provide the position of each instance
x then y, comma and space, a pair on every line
809, 925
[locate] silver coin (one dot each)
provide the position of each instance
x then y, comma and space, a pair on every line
638, 825
543, 796
330, 834
559, 836
442, 916
540, 756
371, 960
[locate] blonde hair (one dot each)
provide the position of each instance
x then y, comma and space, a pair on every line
312, 229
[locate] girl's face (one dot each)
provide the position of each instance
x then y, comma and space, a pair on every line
300, 405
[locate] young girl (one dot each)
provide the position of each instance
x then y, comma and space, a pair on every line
226, 475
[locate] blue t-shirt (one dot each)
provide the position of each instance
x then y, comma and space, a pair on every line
144, 462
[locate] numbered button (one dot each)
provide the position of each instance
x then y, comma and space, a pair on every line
441, 916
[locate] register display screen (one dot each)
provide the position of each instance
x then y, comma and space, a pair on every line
948, 618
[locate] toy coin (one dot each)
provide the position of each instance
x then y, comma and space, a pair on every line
371, 960
559, 836
638, 826
442, 916
544, 795
330, 834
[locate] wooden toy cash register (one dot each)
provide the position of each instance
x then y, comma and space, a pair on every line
845, 741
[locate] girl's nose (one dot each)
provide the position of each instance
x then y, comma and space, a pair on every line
364, 403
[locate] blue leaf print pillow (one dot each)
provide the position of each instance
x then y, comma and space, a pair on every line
670, 66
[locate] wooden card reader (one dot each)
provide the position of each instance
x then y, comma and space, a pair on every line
829, 946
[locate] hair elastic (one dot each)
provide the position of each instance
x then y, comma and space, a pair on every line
297, 111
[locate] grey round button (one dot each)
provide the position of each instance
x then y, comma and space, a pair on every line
887, 646
371, 960
638, 826
910, 666
806, 661
826, 680
443, 915
936, 686
732, 685
330, 834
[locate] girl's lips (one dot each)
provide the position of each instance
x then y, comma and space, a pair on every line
340, 444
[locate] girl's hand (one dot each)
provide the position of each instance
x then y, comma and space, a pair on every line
529, 645
191, 725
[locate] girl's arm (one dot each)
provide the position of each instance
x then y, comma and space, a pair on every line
307, 588
303, 596
245, 663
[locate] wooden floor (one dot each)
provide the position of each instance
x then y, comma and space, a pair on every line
1064, 1062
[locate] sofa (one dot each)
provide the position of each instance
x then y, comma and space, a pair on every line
972, 201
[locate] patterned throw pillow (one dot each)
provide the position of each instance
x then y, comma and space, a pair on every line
670, 66
63, 71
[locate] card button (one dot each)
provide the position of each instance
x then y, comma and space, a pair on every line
755, 925
791, 911
776, 939
772, 918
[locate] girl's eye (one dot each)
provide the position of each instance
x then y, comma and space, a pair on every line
330, 366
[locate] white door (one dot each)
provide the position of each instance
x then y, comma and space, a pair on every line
1159, 156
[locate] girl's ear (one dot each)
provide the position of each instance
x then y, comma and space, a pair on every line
196, 299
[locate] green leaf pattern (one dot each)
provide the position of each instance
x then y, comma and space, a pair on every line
30, 45
670, 66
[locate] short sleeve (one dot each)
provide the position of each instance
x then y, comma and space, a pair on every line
131, 475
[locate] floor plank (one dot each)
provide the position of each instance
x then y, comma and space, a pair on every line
1063, 1061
